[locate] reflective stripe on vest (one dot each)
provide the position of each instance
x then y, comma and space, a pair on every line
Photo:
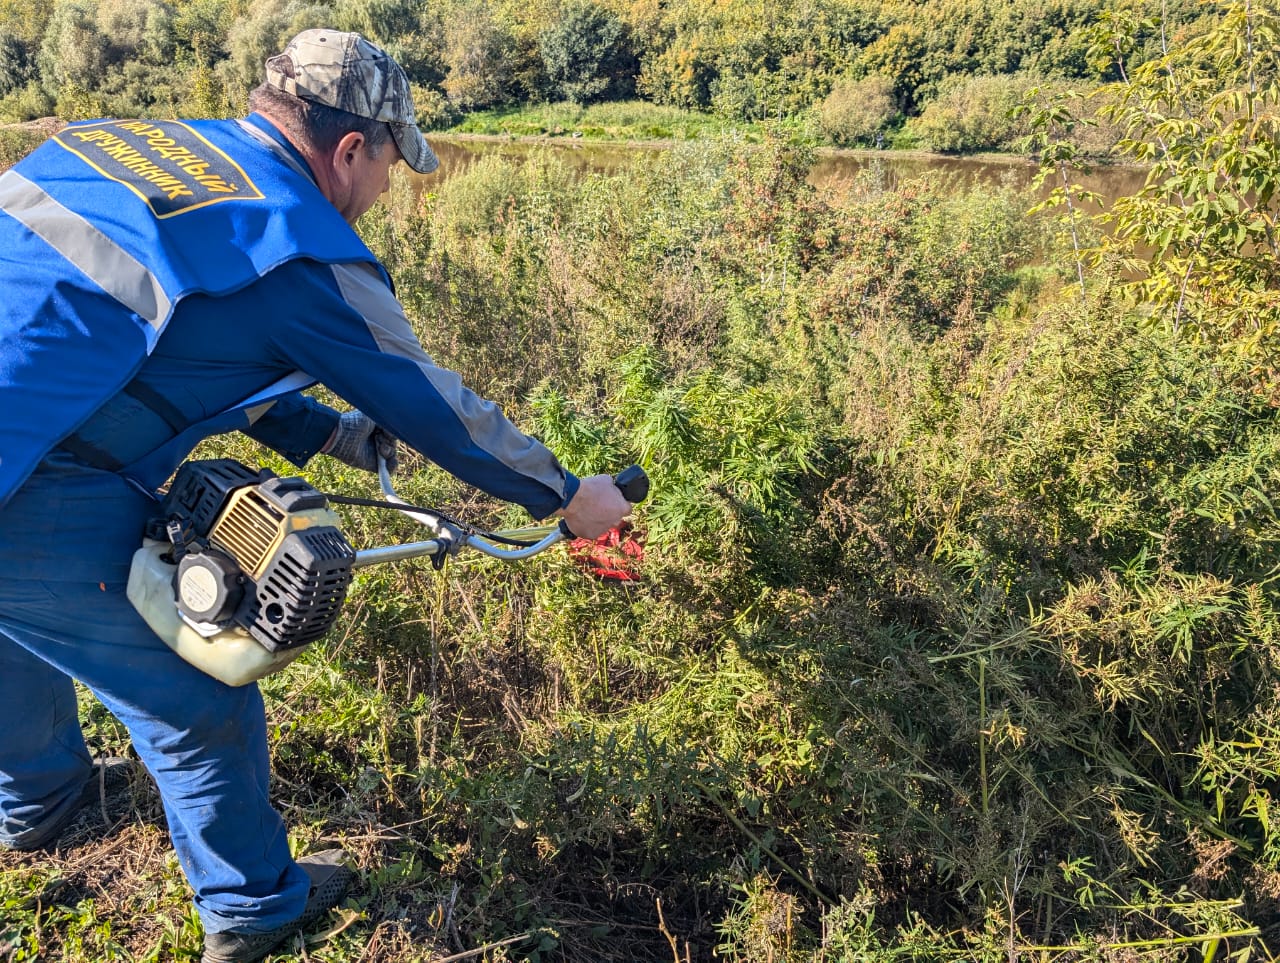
106, 263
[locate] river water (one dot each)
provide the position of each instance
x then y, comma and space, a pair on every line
832, 167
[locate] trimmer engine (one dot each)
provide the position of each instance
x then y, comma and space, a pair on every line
254, 550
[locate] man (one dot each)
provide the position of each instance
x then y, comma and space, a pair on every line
165, 281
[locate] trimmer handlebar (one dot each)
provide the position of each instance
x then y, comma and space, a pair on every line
631, 481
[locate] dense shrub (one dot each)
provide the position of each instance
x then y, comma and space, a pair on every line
587, 54
16, 143
28, 103
957, 630
433, 109
973, 114
73, 53
930, 584
263, 33
475, 52
139, 89
138, 30
857, 110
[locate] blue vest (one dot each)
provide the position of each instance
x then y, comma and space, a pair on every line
105, 228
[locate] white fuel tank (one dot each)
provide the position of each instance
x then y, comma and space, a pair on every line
229, 655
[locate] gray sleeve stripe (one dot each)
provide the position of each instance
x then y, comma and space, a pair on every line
364, 290
106, 263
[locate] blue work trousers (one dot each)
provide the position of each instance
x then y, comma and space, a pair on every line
203, 742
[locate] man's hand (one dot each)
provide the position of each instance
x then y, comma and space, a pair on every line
596, 507
358, 442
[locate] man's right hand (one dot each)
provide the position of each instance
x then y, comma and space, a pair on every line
597, 507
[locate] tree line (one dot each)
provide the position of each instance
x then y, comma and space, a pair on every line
853, 69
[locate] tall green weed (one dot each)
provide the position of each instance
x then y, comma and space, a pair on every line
930, 584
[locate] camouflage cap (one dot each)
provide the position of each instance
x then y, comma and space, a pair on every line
345, 71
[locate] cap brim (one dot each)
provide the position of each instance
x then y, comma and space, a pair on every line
414, 148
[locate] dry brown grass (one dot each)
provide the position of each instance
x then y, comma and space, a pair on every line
116, 862
112, 853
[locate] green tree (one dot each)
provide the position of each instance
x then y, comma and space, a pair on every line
751, 59
856, 110
138, 30
26, 19
1052, 119
409, 31
477, 52
973, 113
901, 54
681, 74
73, 53
201, 28
15, 64
587, 54
261, 34
1201, 235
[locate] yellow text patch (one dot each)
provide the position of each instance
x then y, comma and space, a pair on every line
164, 162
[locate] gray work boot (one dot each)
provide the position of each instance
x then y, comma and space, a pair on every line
108, 778
329, 882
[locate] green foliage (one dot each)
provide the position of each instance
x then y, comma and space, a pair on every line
73, 53
899, 53
633, 120
747, 444
957, 629
587, 55
811, 66
432, 108
921, 51
26, 19
753, 60
16, 68
262, 34
1052, 123
138, 30
476, 46
973, 114
1200, 236
16, 143
857, 110
139, 89
202, 27
1005, 596
29, 103
410, 32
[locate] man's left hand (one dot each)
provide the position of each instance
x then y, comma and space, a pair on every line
358, 442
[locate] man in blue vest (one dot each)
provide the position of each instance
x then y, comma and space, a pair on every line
164, 281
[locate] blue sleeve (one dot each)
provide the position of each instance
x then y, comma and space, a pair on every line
296, 426
342, 326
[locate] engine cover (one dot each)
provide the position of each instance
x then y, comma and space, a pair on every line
258, 551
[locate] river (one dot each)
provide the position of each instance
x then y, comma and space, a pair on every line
831, 169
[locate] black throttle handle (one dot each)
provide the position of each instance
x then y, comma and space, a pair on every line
634, 485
